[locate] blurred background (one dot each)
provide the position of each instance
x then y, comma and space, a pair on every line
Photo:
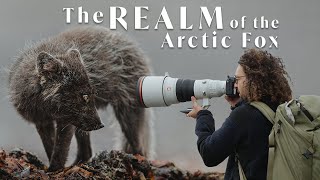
23, 22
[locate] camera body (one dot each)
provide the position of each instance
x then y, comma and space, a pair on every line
159, 91
231, 91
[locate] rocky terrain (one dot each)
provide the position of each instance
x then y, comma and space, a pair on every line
19, 164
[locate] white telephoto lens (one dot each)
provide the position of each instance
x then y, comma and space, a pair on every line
158, 91
208, 88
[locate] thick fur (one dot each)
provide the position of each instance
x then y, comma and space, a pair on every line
58, 83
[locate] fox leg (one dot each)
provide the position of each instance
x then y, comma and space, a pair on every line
63, 138
47, 135
134, 127
84, 148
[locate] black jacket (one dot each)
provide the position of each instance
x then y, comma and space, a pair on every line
245, 131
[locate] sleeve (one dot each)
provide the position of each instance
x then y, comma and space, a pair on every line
215, 146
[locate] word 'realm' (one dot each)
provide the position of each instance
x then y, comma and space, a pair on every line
118, 14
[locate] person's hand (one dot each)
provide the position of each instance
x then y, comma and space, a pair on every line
232, 100
195, 108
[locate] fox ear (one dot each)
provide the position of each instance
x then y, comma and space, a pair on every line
47, 64
75, 54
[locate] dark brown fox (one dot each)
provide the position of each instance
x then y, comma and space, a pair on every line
59, 83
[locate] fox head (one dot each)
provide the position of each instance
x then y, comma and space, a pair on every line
66, 90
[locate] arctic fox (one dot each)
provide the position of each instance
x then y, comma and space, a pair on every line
59, 83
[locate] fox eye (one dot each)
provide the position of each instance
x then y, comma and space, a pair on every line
86, 98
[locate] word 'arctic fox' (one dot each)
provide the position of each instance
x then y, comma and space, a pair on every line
59, 83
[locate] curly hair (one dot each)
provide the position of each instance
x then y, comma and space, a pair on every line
265, 77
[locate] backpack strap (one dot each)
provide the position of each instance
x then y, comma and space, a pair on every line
306, 112
265, 110
270, 115
241, 172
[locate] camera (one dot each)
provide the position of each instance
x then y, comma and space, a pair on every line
159, 91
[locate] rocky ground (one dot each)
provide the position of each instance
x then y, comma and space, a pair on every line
19, 164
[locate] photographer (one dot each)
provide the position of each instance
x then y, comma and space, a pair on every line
244, 134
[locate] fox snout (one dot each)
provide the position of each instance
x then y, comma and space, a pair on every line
101, 125
91, 124
91, 127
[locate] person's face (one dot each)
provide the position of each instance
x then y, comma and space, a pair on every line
240, 81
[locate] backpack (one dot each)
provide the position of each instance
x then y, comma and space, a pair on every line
294, 141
